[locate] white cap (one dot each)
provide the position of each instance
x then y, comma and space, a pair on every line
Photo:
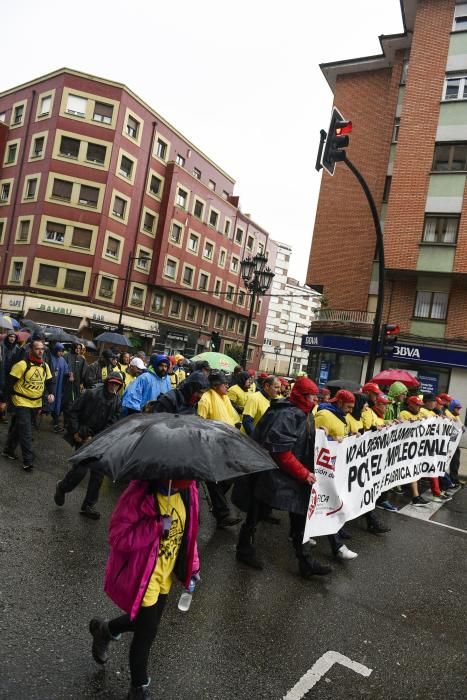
138, 363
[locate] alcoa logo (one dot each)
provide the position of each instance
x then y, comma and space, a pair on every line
403, 351
313, 502
322, 504
324, 459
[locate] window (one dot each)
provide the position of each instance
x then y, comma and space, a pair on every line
460, 18
203, 282
18, 114
188, 275
175, 307
222, 258
23, 231
132, 127
88, 195
2, 117
249, 243
225, 194
249, 355
261, 248
96, 153
227, 227
149, 221
161, 149
387, 188
103, 113
395, 131
155, 185
69, 147
440, 229
239, 236
137, 296
217, 288
106, 288
157, 302
81, 238
76, 105
205, 317
144, 260
432, 305
119, 207
16, 271
31, 188
254, 330
231, 323
182, 198
48, 275
234, 264
112, 247
38, 147
191, 312
11, 153
197, 173
212, 185
198, 209
193, 243
213, 218
170, 268
176, 233
180, 160
219, 320
230, 292
74, 280
44, 105
126, 167
54, 232
450, 157
208, 251
455, 88
405, 70
241, 298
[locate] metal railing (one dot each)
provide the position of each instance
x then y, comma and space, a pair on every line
344, 316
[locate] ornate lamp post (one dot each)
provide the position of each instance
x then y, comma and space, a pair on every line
257, 278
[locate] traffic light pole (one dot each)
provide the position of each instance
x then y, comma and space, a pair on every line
370, 370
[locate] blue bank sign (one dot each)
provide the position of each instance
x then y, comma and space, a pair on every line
360, 346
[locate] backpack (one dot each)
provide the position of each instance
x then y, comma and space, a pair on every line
29, 364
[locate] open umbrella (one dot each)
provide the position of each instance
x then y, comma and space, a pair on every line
5, 323
21, 335
344, 384
168, 446
14, 322
389, 376
87, 343
216, 360
113, 339
32, 325
58, 334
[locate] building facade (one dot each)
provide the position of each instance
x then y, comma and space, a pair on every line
107, 210
292, 308
409, 112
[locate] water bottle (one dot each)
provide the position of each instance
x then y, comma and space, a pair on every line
185, 599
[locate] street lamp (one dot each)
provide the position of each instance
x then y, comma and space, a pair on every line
131, 259
277, 351
257, 278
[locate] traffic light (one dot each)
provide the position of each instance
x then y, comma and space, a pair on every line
337, 139
388, 338
215, 341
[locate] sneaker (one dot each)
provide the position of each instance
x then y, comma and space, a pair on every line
387, 505
312, 567
437, 499
8, 455
445, 497
59, 495
89, 512
101, 639
346, 554
312, 542
419, 501
228, 521
397, 489
28, 467
58, 429
141, 692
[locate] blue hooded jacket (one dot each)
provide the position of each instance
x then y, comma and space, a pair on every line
147, 387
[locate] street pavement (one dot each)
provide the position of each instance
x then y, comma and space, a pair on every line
399, 609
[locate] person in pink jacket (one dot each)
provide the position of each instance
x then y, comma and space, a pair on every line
152, 535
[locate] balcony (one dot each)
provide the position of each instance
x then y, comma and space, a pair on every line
342, 320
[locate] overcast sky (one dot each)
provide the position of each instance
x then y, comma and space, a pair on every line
240, 79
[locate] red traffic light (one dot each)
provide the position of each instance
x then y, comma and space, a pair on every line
343, 128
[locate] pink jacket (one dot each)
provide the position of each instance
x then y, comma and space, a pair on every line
134, 534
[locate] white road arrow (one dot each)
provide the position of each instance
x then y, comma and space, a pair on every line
319, 669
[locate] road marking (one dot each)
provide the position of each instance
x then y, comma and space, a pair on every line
426, 512
319, 669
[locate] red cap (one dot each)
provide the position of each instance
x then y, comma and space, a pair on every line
344, 395
371, 386
444, 399
383, 399
263, 375
304, 386
283, 381
251, 372
414, 401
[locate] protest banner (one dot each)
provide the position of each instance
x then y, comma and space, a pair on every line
350, 475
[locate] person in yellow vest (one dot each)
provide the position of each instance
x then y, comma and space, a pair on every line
238, 392
215, 405
134, 369
429, 410
379, 409
171, 373
125, 359
258, 403
372, 391
253, 387
28, 381
178, 368
355, 417
453, 413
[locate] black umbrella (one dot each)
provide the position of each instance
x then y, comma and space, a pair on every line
32, 326
59, 335
113, 339
344, 384
87, 343
166, 446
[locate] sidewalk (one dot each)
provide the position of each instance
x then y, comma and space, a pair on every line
463, 464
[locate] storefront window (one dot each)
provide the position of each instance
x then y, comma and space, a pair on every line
432, 379
336, 366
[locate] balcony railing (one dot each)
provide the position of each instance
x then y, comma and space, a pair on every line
344, 316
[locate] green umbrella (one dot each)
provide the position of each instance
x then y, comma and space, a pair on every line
216, 360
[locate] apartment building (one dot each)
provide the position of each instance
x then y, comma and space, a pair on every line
105, 208
292, 308
408, 106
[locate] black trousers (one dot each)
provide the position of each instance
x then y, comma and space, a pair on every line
454, 466
144, 628
217, 492
75, 476
20, 431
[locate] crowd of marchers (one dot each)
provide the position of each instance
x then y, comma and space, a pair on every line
153, 529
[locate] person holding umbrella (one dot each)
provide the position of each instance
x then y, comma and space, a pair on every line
148, 386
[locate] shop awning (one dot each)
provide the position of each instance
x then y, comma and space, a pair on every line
69, 323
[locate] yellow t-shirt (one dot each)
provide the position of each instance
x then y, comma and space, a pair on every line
256, 406
425, 413
354, 425
406, 415
237, 395
252, 387
376, 419
216, 407
368, 418
161, 578
29, 389
450, 415
335, 427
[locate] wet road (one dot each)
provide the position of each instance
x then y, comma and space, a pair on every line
399, 609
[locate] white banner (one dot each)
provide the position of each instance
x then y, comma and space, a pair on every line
350, 475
